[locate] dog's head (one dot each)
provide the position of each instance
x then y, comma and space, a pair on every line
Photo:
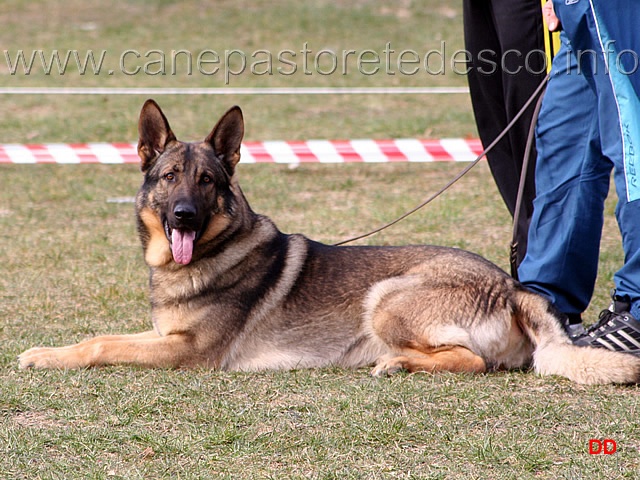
186, 198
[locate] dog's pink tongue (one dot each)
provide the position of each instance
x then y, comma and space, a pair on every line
182, 245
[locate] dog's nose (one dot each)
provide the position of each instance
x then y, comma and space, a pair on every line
184, 211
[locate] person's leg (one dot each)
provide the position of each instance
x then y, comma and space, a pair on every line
504, 32
619, 110
487, 91
572, 183
520, 31
596, 28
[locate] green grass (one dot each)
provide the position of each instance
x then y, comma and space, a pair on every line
72, 268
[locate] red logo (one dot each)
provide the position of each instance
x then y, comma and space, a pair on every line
602, 447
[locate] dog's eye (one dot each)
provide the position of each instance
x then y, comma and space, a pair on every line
206, 179
170, 176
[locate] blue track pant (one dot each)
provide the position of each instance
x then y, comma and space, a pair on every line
588, 126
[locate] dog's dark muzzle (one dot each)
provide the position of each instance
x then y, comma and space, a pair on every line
185, 212
184, 216
183, 227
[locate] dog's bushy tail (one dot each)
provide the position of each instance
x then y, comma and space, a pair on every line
554, 354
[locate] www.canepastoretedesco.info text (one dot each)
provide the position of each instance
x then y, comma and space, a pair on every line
230, 63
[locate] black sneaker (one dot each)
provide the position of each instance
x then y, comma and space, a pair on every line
615, 330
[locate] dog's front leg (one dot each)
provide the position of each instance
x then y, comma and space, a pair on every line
146, 349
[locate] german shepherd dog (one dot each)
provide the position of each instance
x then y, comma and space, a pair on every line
230, 291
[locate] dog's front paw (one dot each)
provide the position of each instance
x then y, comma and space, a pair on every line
40, 357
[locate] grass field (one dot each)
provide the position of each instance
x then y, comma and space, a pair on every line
72, 268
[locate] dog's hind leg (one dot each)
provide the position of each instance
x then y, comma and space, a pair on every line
418, 346
421, 336
442, 359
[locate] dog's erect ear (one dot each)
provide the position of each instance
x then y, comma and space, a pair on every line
226, 137
155, 133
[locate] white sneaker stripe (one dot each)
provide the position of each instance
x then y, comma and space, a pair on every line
617, 341
629, 338
605, 343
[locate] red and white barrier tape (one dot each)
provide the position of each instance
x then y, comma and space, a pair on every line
293, 152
